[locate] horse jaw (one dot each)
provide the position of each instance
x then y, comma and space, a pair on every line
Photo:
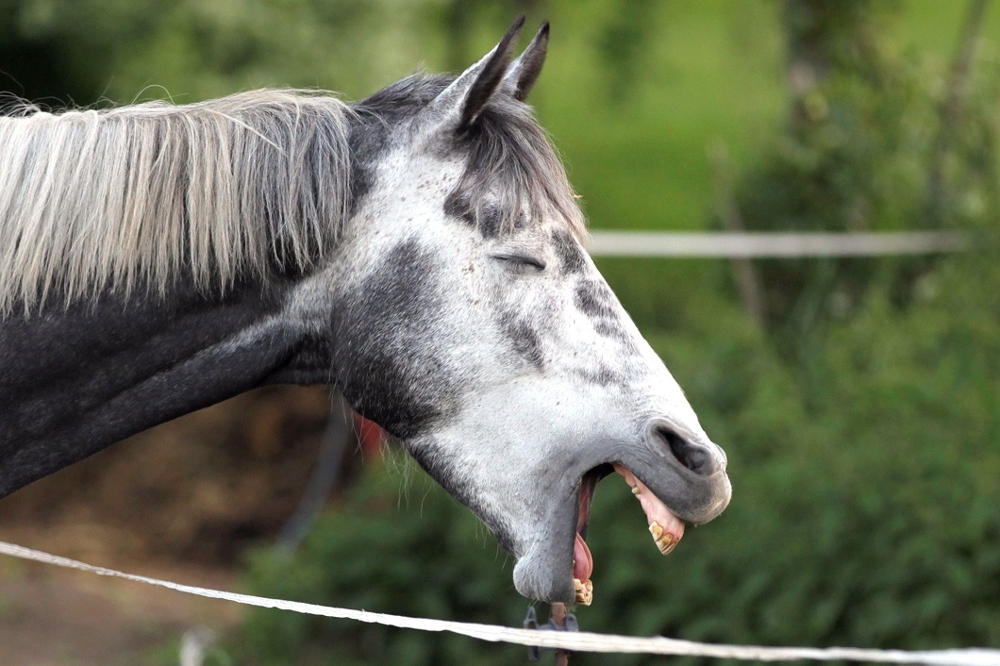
516, 455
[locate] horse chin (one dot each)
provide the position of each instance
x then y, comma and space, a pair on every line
556, 564
544, 572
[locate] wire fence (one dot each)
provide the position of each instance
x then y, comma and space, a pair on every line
575, 641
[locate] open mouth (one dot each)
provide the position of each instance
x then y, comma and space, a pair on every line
666, 528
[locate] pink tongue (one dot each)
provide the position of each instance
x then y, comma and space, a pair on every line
655, 510
583, 561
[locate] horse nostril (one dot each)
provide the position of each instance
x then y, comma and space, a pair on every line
695, 457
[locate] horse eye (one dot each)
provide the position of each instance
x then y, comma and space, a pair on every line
521, 261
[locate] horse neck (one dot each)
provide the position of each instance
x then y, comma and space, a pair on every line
73, 381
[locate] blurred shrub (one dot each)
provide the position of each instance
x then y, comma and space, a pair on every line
871, 518
89, 50
413, 552
867, 147
866, 509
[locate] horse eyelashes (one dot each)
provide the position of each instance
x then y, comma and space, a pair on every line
522, 261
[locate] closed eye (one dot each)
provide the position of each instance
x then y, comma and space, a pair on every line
521, 261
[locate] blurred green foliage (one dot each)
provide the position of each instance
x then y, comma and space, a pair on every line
86, 50
400, 554
862, 421
857, 155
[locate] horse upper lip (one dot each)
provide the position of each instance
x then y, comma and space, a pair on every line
694, 498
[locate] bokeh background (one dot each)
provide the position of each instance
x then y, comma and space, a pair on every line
858, 399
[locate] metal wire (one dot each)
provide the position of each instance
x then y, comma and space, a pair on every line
575, 641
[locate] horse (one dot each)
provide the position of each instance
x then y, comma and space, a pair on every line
420, 250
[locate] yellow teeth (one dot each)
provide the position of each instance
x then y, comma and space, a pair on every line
584, 591
664, 540
635, 490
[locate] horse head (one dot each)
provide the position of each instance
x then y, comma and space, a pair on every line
465, 316
422, 250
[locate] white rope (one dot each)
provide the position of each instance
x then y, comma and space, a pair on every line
576, 641
775, 245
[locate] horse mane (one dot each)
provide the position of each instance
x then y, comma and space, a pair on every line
92, 200
99, 199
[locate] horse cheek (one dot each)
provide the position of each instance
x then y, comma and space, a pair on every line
384, 356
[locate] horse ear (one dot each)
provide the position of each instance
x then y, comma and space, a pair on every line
524, 71
470, 92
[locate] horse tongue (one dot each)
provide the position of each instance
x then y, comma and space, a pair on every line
583, 561
666, 528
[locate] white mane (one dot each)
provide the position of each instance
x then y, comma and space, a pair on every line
138, 195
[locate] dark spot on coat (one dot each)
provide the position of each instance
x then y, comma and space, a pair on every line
603, 376
594, 299
610, 328
488, 218
569, 252
382, 361
526, 341
458, 206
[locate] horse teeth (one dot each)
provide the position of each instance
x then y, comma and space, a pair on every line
666, 544
584, 591
635, 490
664, 540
